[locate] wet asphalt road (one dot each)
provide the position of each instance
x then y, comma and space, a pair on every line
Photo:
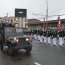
41, 54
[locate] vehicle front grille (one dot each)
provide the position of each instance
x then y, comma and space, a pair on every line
22, 40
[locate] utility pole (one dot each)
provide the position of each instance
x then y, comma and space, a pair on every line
7, 15
47, 20
47, 16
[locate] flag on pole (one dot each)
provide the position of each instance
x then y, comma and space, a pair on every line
59, 24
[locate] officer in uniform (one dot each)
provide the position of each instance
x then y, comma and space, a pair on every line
35, 34
60, 38
45, 34
63, 37
49, 39
41, 36
38, 37
54, 37
3, 24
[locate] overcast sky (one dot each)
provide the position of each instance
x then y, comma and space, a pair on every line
55, 7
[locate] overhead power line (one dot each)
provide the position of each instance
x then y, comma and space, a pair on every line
48, 16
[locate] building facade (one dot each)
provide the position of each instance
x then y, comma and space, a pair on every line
51, 24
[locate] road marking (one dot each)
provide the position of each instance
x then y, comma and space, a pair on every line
36, 63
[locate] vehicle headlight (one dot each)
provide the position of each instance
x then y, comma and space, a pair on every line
16, 39
27, 39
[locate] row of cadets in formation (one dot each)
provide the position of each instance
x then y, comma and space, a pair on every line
40, 35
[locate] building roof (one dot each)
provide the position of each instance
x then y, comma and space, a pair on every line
55, 21
37, 22
33, 21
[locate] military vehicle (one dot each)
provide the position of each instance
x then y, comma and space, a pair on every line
14, 39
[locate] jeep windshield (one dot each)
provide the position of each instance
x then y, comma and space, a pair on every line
10, 32
19, 32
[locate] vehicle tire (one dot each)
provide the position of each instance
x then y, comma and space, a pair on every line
1, 47
28, 50
10, 51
